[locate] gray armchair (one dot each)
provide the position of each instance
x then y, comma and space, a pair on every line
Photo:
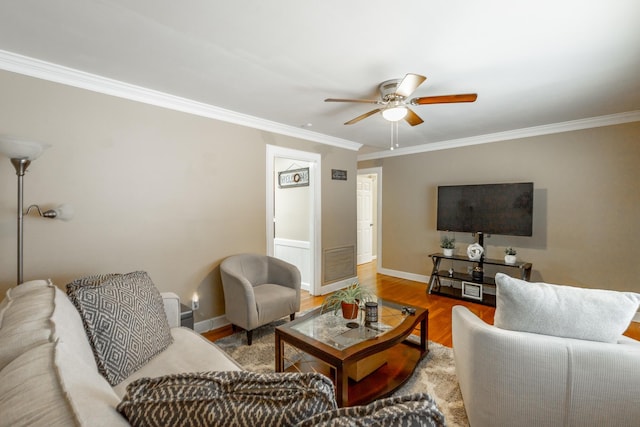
259, 289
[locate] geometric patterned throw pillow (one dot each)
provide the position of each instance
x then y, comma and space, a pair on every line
125, 321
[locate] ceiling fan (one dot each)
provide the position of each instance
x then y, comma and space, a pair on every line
394, 104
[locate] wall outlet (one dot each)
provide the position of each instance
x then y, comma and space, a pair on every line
195, 305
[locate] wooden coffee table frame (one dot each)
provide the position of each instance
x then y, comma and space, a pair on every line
402, 357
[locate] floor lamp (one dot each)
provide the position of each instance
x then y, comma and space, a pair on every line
22, 153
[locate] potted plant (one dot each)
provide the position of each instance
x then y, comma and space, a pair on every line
510, 255
348, 299
448, 244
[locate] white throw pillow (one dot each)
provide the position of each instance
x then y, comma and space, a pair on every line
563, 311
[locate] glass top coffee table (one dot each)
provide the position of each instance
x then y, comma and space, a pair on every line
366, 361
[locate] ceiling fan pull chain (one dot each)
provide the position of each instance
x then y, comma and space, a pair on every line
394, 136
397, 138
391, 146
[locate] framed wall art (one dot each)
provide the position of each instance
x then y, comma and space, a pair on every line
339, 174
293, 178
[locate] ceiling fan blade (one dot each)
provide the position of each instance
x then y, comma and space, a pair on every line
444, 99
365, 101
412, 118
409, 84
364, 116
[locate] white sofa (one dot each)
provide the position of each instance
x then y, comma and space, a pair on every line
48, 375
511, 378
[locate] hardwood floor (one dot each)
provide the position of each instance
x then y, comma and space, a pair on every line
411, 293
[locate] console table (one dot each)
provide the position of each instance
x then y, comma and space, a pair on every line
435, 284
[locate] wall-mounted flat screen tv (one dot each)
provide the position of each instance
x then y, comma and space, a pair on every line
505, 209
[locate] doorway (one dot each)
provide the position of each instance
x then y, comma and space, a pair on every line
293, 219
364, 195
369, 212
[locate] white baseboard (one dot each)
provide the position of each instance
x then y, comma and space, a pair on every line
404, 275
210, 324
636, 318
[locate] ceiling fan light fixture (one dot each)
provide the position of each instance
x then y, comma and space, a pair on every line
394, 114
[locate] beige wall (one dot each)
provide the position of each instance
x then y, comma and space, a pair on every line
342, 216
153, 189
586, 204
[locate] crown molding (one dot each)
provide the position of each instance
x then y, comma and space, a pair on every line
32, 67
592, 122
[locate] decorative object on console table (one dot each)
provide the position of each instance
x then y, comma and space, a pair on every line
487, 281
472, 290
510, 255
448, 244
475, 252
477, 273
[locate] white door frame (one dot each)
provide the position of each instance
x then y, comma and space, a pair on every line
315, 220
377, 171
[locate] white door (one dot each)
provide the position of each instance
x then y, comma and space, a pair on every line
365, 219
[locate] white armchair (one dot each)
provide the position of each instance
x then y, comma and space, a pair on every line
511, 378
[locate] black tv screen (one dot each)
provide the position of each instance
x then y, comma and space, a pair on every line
505, 209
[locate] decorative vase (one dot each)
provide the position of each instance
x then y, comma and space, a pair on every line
349, 310
510, 259
475, 251
477, 274
447, 251
371, 312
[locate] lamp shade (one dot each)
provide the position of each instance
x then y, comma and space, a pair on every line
16, 148
394, 114
64, 212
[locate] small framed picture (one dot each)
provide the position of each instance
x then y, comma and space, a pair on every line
293, 178
472, 290
339, 174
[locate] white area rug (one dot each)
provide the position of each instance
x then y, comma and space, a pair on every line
435, 374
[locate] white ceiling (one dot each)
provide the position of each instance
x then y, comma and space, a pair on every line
532, 63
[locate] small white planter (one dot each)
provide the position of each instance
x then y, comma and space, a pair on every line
510, 259
447, 252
